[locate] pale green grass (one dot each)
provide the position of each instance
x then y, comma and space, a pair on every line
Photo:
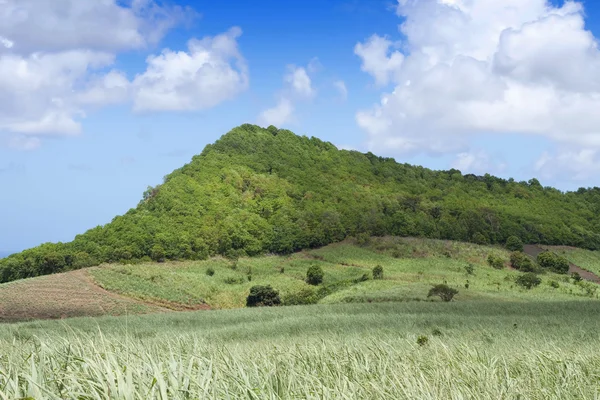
411, 267
476, 350
586, 259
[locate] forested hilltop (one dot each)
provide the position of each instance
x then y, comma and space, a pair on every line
267, 190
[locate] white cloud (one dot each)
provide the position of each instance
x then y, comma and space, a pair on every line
377, 59
298, 86
341, 87
478, 162
299, 81
103, 25
574, 164
57, 63
200, 78
483, 66
279, 115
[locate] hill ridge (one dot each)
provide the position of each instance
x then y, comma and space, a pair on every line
259, 190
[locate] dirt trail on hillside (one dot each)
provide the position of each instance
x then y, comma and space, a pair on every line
70, 294
533, 250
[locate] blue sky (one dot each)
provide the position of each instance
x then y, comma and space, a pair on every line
518, 105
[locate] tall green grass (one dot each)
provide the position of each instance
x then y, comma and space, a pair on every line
475, 350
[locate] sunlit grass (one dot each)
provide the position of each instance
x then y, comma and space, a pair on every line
474, 350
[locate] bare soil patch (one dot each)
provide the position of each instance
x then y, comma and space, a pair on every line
71, 294
533, 250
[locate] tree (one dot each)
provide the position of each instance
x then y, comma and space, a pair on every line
443, 291
378, 272
513, 243
495, 261
528, 280
314, 275
522, 262
263, 296
553, 262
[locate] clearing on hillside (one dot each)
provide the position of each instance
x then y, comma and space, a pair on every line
71, 294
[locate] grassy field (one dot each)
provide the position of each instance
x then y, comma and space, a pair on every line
586, 259
473, 350
411, 267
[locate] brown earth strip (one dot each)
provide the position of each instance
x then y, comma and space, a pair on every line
70, 294
533, 250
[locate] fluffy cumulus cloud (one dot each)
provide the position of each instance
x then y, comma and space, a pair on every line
469, 67
212, 71
57, 63
279, 115
298, 86
478, 162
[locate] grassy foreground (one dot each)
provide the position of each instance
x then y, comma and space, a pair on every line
474, 350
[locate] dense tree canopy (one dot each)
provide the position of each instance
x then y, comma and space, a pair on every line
267, 190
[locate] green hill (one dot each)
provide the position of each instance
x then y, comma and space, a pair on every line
259, 191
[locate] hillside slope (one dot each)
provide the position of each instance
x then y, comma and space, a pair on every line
267, 190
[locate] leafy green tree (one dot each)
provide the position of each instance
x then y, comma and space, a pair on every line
314, 275
554, 262
513, 243
263, 296
378, 272
443, 291
522, 262
528, 280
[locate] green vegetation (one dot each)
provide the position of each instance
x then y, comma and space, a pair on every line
495, 261
257, 191
473, 350
528, 280
553, 262
513, 243
412, 266
522, 262
314, 275
586, 259
263, 296
378, 272
443, 291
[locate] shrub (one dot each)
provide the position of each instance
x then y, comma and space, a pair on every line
422, 340
495, 261
363, 239
233, 280
576, 277
479, 238
263, 296
513, 243
445, 292
210, 271
522, 262
528, 280
157, 253
553, 262
554, 284
304, 296
470, 269
363, 278
314, 275
378, 272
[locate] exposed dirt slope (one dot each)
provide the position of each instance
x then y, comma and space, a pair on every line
533, 251
71, 294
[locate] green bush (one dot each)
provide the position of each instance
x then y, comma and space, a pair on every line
304, 296
495, 261
528, 280
513, 243
158, 253
422, 340
263, 296
479, 238
443, 291
210, 271
553, 262
470, 269
522, 262
233, 280
554, 284
314, 275
576, 277
378, 272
